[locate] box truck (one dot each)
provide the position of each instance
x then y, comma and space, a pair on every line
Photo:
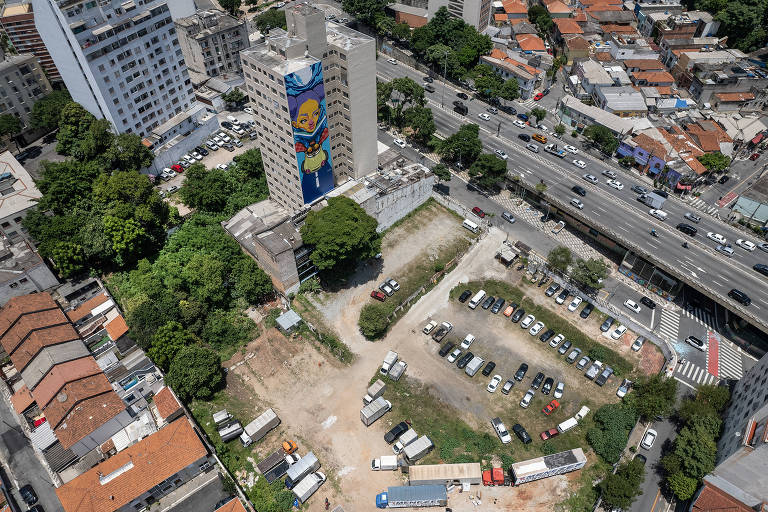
417, 449
407, 438
405, 496
308, 486
374, 411
653, 200
375, 390
385, 463
389, 360
259, 427
474, 365
230, 432
306, 465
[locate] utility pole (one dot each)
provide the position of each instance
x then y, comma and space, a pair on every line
498, 129
445, 72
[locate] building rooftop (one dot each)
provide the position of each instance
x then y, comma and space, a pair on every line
530, 43
567, 26
83, 310
344, 37
30, 321
40, 338
16, 259
735, 96
166, 402
267, 224
610, 121
623, 98
17, 189
205, 23
595, 73
558, 7
16, 9
131, 472
233, 505
644, 64
653, 77
60, 375
269, 59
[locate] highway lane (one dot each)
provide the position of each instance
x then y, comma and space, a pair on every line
613, 208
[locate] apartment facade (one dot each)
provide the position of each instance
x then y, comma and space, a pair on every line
313, 88
22, 83
120, 59
18, 21
211, 41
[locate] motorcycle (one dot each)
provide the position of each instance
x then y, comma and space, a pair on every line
685, 245
654, 234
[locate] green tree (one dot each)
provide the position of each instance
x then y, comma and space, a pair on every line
46, 112
715, 161
10, 126
236, 96
627, 161
683, 487
716, 396
401, 32
654, 396
541, 187
127, 237
602, 137
251, 283
94, 142
487, 82
365, 10
195, 372
167, 341
510, 90
68, 258
464, 146
590, 272
611, 431
402, 93
560, 258
127, 153
540, 17
560, 129
231, 6
691, 409
74, 122
442, 172
619, 490
342, 234
420, 120
269, 19
539, 113
204, 189
697, 451
227, 328
488, 170
373, 321
384, 24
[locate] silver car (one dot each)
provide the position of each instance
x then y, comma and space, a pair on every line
526, 401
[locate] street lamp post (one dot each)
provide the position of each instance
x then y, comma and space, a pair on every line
445, 72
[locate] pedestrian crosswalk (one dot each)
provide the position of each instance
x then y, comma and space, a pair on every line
702, 317
669, 324
730, 366
699, 204
694, 374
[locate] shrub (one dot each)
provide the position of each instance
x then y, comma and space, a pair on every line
373, 321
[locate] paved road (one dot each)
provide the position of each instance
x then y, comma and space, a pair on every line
617, 209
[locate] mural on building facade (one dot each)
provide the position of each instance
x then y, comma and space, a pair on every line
307, 108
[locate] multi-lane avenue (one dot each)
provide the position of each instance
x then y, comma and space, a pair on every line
616, 213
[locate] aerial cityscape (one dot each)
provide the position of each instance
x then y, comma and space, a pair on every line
459, 255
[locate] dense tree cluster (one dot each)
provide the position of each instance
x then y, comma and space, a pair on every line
488, 170
46, 111
620, 489
590, 273
653, 396
401, 102
744, 22
611, 431
602, 137
462, 147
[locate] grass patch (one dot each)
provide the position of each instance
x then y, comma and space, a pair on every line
583, 493
491, 287
321, 334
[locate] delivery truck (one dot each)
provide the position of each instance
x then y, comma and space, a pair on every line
655, 201
306, 465
385, 463
389, 360
259, 427
407, 438
308, 486
552, 148
398, 370
374, 411
375, 390
405, 496
473, 366
417, 449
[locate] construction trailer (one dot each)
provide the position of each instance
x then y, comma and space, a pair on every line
445, 474
549, 465
408, 496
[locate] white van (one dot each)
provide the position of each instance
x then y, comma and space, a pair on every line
567, 425
470, 225
477, 299
659, 214
474, 365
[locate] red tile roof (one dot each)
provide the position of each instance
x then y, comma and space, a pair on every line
651, 145
500, 17
41, 338
567, 26
577, 43
610, 28
558, 7
498, 54
579, 17
711, 498
664, 90
73, 393
654, 77
644, 64
231, 506
117, 328
735, 96
28, 323
85, 308
61, 374
18, 306
21, 399
87, 416
166, 403
530, 42
514, 7
515, 21
128, 474
603, 8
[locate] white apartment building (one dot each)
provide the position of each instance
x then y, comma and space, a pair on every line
474, 12
120, 59
313, 88
211, 41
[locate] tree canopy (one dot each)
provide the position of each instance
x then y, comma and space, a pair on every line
269, 19
464, 146
620, 489
539, 113
442, 172
488, 170
602, 137
168, 341
195, 373
654, 396
611, 431
715, 161
401, 93
590, 272
539, 16
560, 258
46, 111
744, 22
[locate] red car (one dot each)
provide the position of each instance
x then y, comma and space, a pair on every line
477, 211
549, 434
550, 407
538, 96
177, 168
376, 294
754, 156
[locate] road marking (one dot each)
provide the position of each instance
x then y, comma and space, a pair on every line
684, 383
655, 500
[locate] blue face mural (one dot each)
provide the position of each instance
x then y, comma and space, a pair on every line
307, 107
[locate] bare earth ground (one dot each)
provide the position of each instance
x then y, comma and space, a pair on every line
319, 400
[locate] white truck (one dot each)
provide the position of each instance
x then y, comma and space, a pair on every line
375, 390
308, 486
306, 465
653, 200
385, 463
417, 449
474, 365
259, 427
389, 360
407, 438
398, 370
375, 410
230, 431
221, 418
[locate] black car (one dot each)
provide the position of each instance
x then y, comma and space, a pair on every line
603, 377
458, 103
489, 368
488, 302
762, 269
517, 315
661, 193
543, 281
564, 347
465, 295
547, 335
508, 110
723, 180
687, 229
227, 125
28, 495
579, 190
497, 305
38, 508
462, 95
521, 433
446, 349
587, 310
428, 79
547, 387
465, 359
537, 380
520, 373
201, 150
395, 432
552, 289
647, 302
563, 295
525, 137
740, 296
607, 324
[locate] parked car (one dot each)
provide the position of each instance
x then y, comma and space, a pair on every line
575, 353
465, 295
521, 433
395, 432
575, 303
550, 407
561, 298
386, 289
517, 315
454, 355
521, 371
493, 384
537, 380
536, 329
479, 212
489, 368
606, 324
429, 327
394, 284
549, 434
648, 439
501, 430
547, 386
648, 302
497, 305
28, 494
619, 332
552, 289
508, 386
547, 335
587, 310
583, 362
465, 359
376, 294
632, 305
527, 321
559, 389
526, 400
488, 302
623, 388
564, 347
556, 340
446, 349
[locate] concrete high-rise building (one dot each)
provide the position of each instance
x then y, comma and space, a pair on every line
313, 88
474, 12
211, 41
120, 59
18, 21
22, 83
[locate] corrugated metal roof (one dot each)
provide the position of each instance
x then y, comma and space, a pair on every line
446, 471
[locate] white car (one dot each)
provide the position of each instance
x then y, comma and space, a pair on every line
238, 130
454, 355
526, 401
556, 340
248, 110
615, 184
429, 327
468, 340
399, 143
624, 388
484, 116
495, 381
574, 303
536, 329
501, 154
619, 332
501, 431
746, 244
578, 204
559, 390
717, 237
590, 178
580, 164
196, 155
233, 120
211, 144
222, 167
527, 321
609, 173
392, 61
634, 306
518, 123
648, 439
223, 136
572, 150
659, 214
